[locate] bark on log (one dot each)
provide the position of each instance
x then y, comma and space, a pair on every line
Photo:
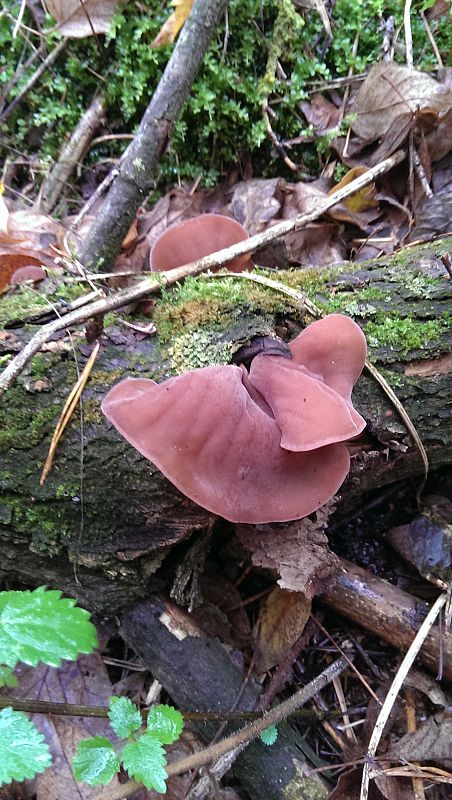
118, 522
388, 612
198, 672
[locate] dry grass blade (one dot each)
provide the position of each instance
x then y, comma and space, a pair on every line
409, 425
67, 412
396, 685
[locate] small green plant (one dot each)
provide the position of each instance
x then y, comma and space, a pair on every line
38, 626
96, 762
269, 736
42, 626
221, 124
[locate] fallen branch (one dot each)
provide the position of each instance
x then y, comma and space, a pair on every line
387, 612
154, 283
244, 735
71, 154
137, 171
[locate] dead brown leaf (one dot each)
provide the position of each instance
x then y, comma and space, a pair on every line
77, 20
84, 681
254, 203
349, 785
391, 91
281, 622
321, 113
431, 742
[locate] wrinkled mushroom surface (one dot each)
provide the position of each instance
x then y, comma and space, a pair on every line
267, 446
195, 238
207, 435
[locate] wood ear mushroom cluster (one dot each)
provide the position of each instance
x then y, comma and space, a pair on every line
262, 446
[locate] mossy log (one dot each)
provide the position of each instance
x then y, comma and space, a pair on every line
108, 510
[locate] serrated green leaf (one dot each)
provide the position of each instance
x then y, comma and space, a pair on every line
23, 751
43, 626
95, 761
270, 735
145, 761
6, 677
124, 716
165, 723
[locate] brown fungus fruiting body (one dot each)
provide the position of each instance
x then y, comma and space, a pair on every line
257, 447
195, 238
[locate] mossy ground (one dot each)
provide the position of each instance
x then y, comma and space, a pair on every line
25, 302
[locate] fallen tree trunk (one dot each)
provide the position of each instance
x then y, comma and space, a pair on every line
110, 511
197, 670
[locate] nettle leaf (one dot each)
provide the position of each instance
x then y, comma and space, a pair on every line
95, 761
165, 723
43, 626
7, 678
270, 735
23, 751
124, 716
145, 761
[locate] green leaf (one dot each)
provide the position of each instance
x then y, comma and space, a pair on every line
6, 677
270, 735
124, 716
23, 751
43, 626
145, 761
165, 723
95, 761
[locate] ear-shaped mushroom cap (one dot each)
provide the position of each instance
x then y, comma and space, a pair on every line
28, 273
208, 436
198, 237
307, 411
333, 350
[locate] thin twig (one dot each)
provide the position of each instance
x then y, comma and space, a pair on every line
439, 60
244, 735
154, 284
396, 685
53, 55
408, 33
102, 712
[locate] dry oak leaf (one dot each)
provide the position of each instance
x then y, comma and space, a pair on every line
174, 23
77, 20
389, 93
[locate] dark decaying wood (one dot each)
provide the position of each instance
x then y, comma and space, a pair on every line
390, 613
111, 511
198, 672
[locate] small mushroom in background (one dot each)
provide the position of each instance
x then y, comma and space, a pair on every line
198, 237
28, 273
262, 447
